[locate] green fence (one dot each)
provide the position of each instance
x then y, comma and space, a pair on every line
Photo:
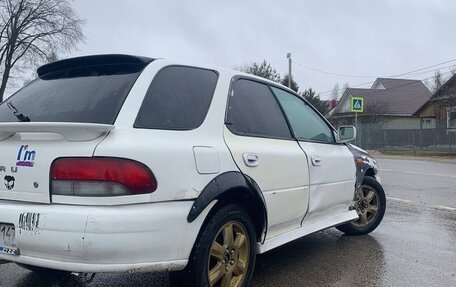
370, 137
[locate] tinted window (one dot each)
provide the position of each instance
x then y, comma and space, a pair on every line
178, 99
87, 94
254, 111
305, 122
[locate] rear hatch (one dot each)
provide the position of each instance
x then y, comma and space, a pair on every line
66, 112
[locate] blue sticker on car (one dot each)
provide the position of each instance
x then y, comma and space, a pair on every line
25, 156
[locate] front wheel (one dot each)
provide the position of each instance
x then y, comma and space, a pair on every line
224, 254
370, 204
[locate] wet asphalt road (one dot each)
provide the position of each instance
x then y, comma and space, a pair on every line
414, 246
422, 181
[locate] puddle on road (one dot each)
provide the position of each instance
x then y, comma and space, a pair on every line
420, 244
326, 258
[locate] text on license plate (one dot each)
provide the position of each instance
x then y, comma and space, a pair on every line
7, 239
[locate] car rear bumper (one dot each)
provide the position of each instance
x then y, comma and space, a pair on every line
142, 237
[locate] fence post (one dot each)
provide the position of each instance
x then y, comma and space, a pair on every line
420, 138
436, 138
384, 139
449, 140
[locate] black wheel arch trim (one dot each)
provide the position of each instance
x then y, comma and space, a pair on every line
224, 183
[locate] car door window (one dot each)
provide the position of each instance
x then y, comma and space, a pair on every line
305, 122
177, 99
253, 111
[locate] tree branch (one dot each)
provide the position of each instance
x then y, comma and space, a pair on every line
30, 30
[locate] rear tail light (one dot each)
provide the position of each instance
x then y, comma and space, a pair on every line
100, 177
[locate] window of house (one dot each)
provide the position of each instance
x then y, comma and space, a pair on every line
452, 119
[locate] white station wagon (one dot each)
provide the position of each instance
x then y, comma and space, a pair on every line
116, 163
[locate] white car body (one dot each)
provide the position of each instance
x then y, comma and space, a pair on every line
306, 186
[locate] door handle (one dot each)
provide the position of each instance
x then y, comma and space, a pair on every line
251, 159
316, 160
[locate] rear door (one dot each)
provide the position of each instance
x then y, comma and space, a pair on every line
331, 165
261, 144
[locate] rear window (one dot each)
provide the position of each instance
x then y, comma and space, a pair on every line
92, 94
178, 99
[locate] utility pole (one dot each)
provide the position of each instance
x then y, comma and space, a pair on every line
289, 69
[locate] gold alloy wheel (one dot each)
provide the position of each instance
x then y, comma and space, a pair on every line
366, 205
229, 256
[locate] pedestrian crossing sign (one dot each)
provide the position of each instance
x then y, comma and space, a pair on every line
357, 105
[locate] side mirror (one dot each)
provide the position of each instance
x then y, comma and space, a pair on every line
346, 134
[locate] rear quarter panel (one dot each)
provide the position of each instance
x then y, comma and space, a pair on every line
170, 154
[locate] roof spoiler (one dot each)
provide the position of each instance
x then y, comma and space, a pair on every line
95, 60
69, 131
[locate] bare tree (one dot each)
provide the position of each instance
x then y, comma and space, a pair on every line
31, 30
52, 57
375, 113
438, 81
345, 87
453, 71
335, 92
428, 84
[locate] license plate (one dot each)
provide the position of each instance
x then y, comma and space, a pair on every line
8, 239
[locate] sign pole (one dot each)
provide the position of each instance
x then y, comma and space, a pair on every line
356, 106
356, 126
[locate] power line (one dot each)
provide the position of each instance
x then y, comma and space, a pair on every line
433, 70
414, 75
400, 86
432, 66
371, 77
331, 73
414, 82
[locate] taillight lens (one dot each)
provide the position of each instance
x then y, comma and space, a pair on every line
100, 177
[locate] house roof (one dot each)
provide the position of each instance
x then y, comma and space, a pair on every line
389, 83
447, 89
446, 92
401, 97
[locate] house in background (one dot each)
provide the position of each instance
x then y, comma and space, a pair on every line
388, 104
441, 107
330, 104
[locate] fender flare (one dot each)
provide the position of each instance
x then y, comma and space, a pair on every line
225, 183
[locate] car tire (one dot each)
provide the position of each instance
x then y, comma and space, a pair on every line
224, 253
370, 205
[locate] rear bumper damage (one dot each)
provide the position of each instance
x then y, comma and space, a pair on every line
130, 238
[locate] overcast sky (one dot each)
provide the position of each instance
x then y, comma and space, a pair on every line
363, 38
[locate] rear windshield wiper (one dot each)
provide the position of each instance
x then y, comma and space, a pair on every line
19, 116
